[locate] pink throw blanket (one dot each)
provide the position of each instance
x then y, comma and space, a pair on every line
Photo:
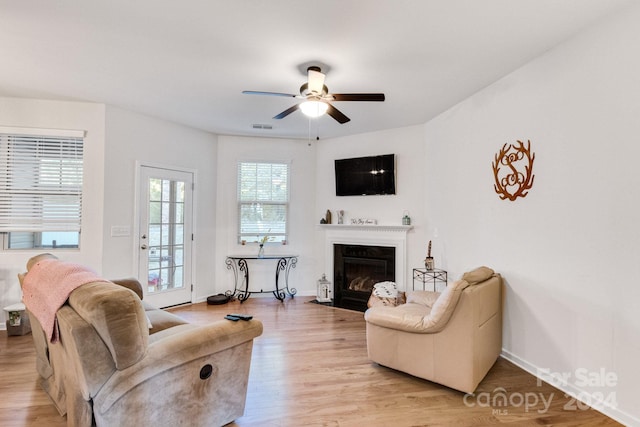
47, 286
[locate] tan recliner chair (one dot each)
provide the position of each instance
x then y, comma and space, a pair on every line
121, 362
451, 338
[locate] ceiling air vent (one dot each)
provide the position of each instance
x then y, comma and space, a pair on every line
261, 126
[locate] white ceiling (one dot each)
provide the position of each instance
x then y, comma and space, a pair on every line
189, 61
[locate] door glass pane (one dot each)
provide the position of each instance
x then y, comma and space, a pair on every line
178, 275
163, 278
155, 189
154, 265
166, 235
180, 192
166, 190
154, 212
179, 237
166, 211
154, 279
179, 255
154, 235
180, 212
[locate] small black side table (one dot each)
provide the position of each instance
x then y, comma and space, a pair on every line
424, 276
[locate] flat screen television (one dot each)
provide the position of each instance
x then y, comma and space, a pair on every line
366, 176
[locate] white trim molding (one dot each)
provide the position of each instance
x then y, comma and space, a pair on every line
601, 402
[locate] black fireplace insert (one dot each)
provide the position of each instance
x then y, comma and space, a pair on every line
356, 268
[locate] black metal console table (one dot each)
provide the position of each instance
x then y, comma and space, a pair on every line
240, 266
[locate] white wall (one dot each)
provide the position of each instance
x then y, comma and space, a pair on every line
135, 137
408, 146
568, 251
60, 115
115, 140
301, 211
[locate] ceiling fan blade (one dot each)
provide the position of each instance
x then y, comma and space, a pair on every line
337, 114
253, 92
315, 80
358, 96
286, 112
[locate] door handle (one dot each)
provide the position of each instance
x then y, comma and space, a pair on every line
143, 247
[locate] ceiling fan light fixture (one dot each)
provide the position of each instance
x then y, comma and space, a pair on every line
314, 108
316, 99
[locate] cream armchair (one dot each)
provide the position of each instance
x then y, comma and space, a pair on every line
118, 361
451, 338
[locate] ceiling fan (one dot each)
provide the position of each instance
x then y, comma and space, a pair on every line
317, 99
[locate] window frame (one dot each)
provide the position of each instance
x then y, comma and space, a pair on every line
255, 237
42, 147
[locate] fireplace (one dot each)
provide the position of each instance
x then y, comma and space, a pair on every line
356, 269
391, 238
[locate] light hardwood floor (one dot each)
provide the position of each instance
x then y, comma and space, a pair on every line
310, 368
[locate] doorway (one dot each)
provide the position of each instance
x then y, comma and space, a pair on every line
165, 206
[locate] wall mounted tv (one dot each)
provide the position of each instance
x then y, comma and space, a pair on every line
366, 176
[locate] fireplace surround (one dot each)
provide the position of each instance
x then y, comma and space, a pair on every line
388, 236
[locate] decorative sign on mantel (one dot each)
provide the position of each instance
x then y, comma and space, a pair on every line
364, 221
513, 170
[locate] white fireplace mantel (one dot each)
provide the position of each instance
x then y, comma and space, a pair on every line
370, 227
368, 235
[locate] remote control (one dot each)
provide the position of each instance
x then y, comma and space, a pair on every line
242, 316
230, 317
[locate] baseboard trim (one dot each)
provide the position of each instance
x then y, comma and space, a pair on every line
576, 392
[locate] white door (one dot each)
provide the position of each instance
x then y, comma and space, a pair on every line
165, 205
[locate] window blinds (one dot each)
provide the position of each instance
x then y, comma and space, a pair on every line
263, 197
40, 183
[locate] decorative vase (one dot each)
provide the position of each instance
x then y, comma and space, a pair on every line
429, 263
261, 251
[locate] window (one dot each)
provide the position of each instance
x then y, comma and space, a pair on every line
263, 201
40, 188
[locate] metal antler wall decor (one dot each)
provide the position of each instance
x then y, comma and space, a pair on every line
513, 170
